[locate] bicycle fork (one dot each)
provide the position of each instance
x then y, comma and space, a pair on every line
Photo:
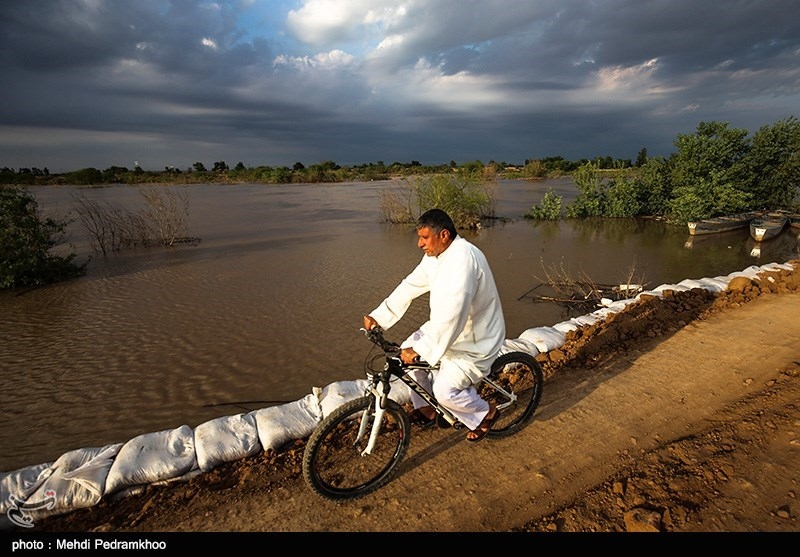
376, 422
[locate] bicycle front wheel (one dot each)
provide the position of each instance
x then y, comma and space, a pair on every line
514, 385
334, 465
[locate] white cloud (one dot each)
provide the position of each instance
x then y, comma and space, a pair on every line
332, 60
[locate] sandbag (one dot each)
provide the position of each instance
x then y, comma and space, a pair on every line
566, 326
715, 285
19, 484
691, 283
15, 489
278, 425
152, 457
334, 395
77, 480
226, 439
544, 338
519, 345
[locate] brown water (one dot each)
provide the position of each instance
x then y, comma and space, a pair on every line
269, 303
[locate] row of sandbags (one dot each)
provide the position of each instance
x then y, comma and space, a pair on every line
81, 478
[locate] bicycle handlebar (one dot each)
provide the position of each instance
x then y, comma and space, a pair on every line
375, 334
391, 349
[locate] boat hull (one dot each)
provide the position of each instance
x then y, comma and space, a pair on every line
720, 224
767, 227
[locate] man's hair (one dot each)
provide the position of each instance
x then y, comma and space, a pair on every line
437, 220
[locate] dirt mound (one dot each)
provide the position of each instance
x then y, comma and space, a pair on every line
654, 316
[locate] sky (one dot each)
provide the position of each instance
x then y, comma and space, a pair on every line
100, 83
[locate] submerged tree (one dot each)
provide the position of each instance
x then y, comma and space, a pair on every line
467, 196
26, 241
709, 173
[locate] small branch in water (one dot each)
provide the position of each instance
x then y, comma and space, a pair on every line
581, 293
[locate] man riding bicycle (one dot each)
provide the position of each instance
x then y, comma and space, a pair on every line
465, 329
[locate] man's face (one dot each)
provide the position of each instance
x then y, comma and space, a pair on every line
432, 243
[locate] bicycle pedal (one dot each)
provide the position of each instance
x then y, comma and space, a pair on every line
442, 423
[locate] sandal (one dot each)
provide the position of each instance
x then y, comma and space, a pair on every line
483, 428
417, 417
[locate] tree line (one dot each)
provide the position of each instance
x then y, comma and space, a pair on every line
326, 171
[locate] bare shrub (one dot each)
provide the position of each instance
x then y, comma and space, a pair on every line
396, 208
112, 227
167, 212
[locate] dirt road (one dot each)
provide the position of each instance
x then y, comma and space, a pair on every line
681, 414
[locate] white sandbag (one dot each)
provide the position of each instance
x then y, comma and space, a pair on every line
544, 338
278, 425
77, 481
399, 392
656, 293
519, 345
777, 267
715, 285
584, 320
619, 305
152, 457
194, 472
691, 283
674, 287
334, 395
226, 439
17, 486
602, 313
750, 272
566, 326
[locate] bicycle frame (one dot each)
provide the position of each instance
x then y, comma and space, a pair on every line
395, 368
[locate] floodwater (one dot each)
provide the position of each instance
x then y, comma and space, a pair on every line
269, 303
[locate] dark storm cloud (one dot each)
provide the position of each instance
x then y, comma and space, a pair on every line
102, 82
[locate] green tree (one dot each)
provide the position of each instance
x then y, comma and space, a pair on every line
654, 187
774, 162
709, 173
641, 157
621, 196
590, 200
534, 169
85, 177
548, 209
26, 239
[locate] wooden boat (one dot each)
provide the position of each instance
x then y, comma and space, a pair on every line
794, 220
768, 226
714, 225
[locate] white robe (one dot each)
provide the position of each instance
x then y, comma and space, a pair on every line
466, 325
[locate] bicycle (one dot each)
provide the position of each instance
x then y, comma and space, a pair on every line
358, 447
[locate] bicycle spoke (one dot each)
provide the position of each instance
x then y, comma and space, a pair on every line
335, 465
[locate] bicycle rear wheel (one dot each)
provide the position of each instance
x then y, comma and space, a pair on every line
333, 464
518, 373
